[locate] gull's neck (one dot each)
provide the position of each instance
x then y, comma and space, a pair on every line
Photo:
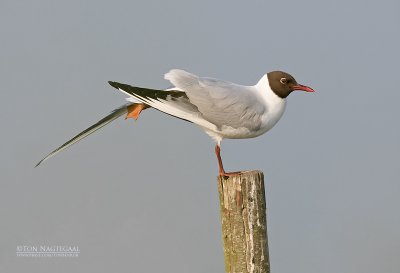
271, 98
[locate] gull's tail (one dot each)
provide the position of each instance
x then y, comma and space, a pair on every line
106, 120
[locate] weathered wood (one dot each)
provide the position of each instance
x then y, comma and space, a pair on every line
244, 226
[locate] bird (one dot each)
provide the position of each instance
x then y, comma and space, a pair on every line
223, 109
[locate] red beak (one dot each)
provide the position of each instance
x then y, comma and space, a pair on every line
303, 88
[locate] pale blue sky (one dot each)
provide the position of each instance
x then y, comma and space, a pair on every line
142, 196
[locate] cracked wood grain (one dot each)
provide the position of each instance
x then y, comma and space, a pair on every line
244, 225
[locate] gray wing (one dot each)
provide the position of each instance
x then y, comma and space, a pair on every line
220, 102
104, 121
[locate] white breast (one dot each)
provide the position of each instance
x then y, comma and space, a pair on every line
275, 105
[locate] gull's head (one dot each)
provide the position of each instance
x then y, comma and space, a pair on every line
283, 84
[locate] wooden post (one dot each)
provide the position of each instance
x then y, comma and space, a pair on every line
244, 223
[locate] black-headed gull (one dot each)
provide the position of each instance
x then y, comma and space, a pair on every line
222, 109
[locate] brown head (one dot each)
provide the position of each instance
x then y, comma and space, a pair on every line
283, 84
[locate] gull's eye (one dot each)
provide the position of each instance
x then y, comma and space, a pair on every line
283, 81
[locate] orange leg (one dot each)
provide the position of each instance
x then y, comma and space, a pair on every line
135, 109
221, 166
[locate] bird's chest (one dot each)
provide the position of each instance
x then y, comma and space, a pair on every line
272, 115
265, 123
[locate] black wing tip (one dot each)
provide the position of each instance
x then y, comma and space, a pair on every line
40, 162
114, 84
